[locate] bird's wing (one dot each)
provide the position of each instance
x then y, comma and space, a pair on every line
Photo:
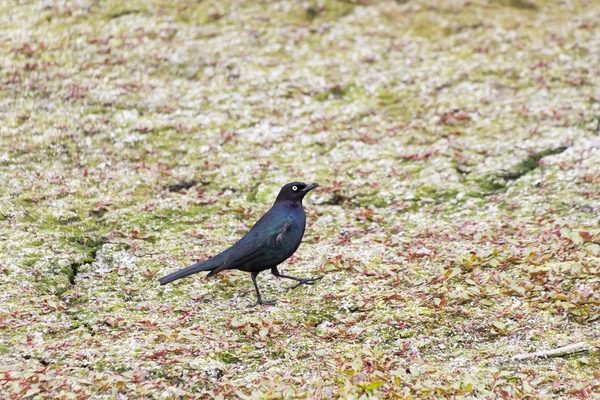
283, 232
269, 235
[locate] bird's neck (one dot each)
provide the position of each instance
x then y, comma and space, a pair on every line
292, 203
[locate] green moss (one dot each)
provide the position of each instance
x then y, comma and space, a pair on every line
115, 9
228, 358
491, 183
318, 12
202, 13
436, 194
5, 349
335, 93
116, 306
315, 316
519, 4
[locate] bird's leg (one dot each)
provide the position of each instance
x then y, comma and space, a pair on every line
301, 281
260, 301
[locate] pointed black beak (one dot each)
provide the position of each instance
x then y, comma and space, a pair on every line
310, 187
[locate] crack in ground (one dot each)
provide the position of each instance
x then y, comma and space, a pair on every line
531, 163
42, 361
88, 260
497, 181
91, 249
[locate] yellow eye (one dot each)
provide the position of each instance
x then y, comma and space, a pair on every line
295, 188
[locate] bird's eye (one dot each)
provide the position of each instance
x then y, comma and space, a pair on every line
295, 188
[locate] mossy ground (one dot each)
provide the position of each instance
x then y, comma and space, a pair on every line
457, 145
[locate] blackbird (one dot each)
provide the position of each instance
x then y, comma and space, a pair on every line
272, 240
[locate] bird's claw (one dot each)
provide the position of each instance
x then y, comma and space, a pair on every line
307, 281
261, 302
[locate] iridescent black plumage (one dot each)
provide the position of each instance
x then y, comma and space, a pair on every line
272, 240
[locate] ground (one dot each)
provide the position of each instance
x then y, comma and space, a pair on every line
457, 145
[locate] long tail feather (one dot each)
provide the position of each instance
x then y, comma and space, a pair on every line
207, 265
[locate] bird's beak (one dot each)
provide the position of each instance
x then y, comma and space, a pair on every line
310, 187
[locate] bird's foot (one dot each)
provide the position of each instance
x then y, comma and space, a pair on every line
261, 302
306, 281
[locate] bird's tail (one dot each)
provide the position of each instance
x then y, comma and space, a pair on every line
206, 265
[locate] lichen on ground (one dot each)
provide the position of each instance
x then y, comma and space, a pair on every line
458, 223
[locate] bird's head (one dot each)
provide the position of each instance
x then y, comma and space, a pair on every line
295, 191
